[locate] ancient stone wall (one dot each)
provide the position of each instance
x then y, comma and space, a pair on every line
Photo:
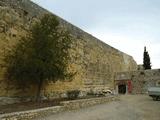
144, 79
94, 61
141, 79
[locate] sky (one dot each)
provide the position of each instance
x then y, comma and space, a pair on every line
127, 25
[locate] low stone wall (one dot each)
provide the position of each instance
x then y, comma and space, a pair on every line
28, 115
67, 105
77, 104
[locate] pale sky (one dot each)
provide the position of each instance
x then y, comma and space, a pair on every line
127, 25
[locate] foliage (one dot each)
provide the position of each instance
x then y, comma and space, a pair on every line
146, 60
73, 94
42, 54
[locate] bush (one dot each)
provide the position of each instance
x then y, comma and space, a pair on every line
73, 94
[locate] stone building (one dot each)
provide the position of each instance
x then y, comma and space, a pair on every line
123, 83
94, 61
136, 82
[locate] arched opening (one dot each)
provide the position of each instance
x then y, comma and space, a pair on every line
122, 89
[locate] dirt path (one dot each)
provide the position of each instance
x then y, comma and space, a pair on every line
130, 107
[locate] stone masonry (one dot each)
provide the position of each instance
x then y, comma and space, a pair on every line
140, 80
65, 106
94, 61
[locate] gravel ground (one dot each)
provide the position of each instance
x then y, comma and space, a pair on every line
130, 107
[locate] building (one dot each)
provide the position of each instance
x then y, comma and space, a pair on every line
123, 83
136, 82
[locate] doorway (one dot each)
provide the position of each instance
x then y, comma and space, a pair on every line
122, 89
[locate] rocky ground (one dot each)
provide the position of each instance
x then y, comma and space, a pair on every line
130, 107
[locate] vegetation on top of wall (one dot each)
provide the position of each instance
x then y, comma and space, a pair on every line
42, 54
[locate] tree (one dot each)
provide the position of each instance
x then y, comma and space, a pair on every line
146, 60
41, 55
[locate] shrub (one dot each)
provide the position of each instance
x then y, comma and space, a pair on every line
73, 94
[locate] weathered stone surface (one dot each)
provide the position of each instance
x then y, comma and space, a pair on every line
77, 104
144, 79
94, 61
28, 115
141, 79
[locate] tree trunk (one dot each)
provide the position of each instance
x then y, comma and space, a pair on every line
38, 97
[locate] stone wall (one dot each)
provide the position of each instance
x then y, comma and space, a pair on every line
94, 61
67, 105
141, 79
82, 103
31, 114
144, 79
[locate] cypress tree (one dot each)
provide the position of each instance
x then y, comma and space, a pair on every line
146, 60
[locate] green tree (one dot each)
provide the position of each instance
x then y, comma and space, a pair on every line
146, 60
41, 55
